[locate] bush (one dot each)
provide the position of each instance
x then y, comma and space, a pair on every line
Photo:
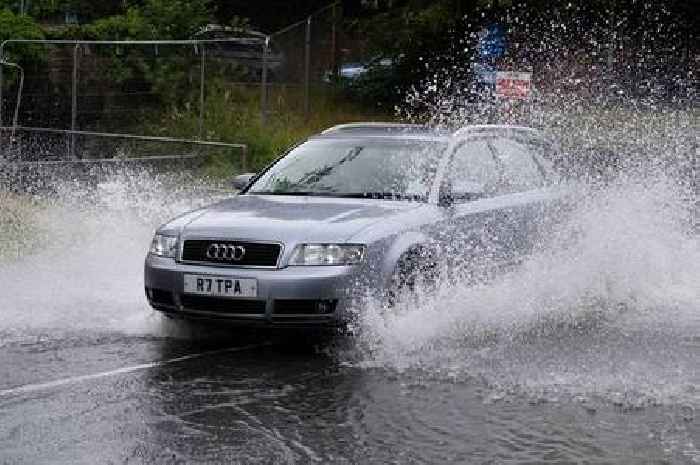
13, 26
233, 115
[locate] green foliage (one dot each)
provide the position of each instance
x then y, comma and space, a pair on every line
155, 19
233, 115
19, 225
152, 20
86, 9
131, 25
176, 19
13, 26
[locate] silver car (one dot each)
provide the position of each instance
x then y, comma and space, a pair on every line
360, 209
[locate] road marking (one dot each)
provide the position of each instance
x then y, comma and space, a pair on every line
120, 371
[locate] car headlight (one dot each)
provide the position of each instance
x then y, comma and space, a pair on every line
164, 246
328, 254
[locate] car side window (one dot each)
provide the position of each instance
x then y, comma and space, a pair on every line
473, 171
521, 170
545, 156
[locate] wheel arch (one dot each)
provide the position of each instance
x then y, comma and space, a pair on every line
412, 242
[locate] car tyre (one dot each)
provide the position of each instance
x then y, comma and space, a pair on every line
414, 273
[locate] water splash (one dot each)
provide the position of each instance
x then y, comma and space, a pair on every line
614, 312
76, 261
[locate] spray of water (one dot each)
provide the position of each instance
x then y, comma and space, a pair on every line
73, 255
608, 305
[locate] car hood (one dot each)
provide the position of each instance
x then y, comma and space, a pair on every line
291, 219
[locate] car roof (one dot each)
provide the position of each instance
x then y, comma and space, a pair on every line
417, 131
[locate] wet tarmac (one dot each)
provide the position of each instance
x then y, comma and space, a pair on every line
93, 398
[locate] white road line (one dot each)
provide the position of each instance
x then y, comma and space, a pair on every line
120, 371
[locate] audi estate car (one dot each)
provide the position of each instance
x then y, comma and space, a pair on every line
365, 209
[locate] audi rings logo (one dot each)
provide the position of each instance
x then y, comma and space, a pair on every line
234, 253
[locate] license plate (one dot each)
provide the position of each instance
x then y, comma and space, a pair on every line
220, 286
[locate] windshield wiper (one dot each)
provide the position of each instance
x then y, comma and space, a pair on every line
351, 195
283, 193
382, 195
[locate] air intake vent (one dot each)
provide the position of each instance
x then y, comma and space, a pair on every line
223, 306
304, 307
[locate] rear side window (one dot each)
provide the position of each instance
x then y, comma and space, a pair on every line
520, 169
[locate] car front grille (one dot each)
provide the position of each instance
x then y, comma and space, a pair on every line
221, 305
256, 253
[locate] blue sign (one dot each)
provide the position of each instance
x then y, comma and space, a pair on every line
492, 42
485, 74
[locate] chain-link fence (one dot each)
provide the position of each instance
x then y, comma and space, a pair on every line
103, 99
306, 61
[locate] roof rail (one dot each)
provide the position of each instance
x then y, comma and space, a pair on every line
471, 129
375, 126
380, 128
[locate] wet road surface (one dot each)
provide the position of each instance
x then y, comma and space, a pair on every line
112, 398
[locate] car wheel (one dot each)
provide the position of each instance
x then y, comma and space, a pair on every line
415, 272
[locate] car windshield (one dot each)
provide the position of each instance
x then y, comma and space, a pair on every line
389, 169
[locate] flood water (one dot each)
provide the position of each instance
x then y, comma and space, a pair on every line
587, 353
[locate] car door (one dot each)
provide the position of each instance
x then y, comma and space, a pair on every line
473, 234
525, 192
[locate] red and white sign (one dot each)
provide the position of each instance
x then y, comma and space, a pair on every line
514, 85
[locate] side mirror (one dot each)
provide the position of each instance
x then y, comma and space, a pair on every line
242, 180
445, 197
465, 191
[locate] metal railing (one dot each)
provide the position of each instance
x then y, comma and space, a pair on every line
243, 148
20, 87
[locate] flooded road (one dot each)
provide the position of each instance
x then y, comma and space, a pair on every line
288, 404
587, 353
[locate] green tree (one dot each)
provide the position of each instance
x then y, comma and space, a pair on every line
14, 26
154, 19
87, 10
176, 19
169, 72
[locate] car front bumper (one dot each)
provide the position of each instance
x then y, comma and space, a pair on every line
295, 296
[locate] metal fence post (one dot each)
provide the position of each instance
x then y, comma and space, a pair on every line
2, 82
263, 83
15, 116
307, 67
201, 89
74, 101
334, 42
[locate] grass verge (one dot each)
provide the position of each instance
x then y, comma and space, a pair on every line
233, 115
18, 224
